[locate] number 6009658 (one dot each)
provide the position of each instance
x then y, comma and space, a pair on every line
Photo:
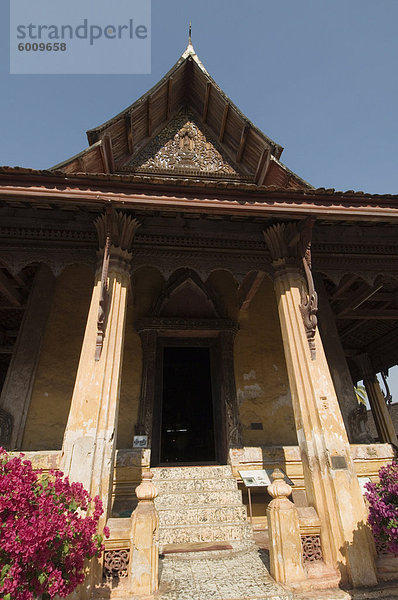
42, 47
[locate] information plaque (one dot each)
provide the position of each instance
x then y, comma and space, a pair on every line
255, 478
140, 441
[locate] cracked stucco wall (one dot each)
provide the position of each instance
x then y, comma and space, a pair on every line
59, 358
261, 375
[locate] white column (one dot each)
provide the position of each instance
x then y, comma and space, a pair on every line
330, 480
89, 443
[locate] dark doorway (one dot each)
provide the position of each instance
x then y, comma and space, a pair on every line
187, 423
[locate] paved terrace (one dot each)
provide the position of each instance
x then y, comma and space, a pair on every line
239, 573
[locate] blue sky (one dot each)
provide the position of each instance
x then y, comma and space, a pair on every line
317, 76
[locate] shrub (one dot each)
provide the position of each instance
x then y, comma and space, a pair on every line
383, 509
48, 527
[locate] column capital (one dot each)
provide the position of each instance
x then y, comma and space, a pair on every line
119, 227
288, 244
116, 232
290, 248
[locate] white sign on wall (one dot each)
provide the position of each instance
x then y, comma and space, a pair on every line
140, 441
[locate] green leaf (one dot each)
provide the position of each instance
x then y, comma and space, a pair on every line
7, 597
42, 577
65, 548
4, 572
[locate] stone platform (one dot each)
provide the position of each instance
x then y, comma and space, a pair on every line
235, 574
225, 575
238, 573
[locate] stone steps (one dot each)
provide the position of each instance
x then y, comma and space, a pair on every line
203, 472
178, 499
201, 516
192, 534
199, 504
198, 485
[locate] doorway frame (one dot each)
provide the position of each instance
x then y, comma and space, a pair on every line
218, 413
219, 335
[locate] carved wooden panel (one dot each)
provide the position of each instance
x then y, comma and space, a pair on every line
312, 550
116, 563
382, 547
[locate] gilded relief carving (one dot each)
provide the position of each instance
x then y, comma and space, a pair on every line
182, 145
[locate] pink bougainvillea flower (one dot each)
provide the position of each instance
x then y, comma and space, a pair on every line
48, 528
383, 508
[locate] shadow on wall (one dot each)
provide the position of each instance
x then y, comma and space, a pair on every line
354, 551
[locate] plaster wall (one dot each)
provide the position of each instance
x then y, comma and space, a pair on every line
59, 358
130, 383
260, 369
261, 376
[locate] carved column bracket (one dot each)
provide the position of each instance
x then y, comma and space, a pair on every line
309, 305
364, 364
116, 232
290, 248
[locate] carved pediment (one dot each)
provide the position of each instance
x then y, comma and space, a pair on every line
182, 147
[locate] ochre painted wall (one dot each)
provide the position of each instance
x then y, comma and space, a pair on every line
56, 372
52, 391
130, 383
261, 375
260, 369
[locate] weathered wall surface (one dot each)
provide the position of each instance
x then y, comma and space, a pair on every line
337, 362
56, 372
130, 383
261, 375
260, 369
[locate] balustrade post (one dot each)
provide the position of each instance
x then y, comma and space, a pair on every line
144, 544
286, 556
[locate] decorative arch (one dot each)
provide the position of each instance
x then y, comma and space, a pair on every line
187, 313
186, 295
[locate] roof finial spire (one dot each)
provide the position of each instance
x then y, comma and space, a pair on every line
190, 34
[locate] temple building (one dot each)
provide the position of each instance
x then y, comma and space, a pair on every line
174, 298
